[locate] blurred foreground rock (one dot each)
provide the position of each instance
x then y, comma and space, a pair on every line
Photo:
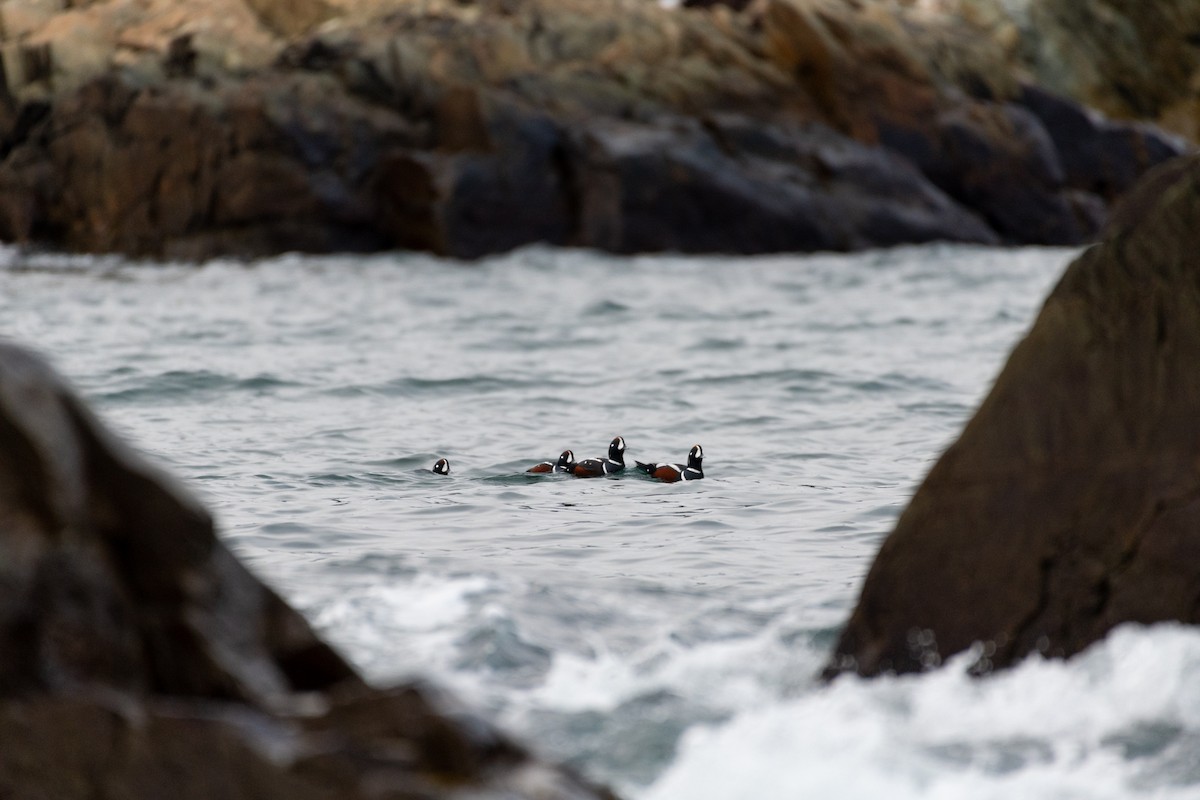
141, 660
1071, 501
193, 128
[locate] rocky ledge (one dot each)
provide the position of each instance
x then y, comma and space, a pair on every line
192, 128
141, 659
1071, 502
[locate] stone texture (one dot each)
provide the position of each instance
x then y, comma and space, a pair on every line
1126, 58
1097, 154
142, 660
1071, 501
246, 127
738, 187
188, 170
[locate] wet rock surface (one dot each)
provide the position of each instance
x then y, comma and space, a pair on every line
247, 128
134, 641
1071, 501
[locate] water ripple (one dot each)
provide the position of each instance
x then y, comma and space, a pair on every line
608, 621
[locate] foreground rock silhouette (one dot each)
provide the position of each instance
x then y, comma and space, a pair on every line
139, 659
1071, 501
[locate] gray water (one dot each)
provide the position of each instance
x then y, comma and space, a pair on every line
662, 638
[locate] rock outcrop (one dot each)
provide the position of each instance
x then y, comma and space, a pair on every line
1128, 59
133, 642
1071, 501
245, 127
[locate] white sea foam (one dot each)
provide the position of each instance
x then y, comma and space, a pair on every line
1121, 720
399, 629
734, 673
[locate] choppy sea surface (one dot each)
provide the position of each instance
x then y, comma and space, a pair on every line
662, 638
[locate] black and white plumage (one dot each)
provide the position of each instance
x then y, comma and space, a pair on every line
565, 463
692, 471
441, 467
599, 467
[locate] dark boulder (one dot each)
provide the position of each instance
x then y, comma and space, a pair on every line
504, 185
194, 168
998, 160
736, 5
737, 185
1099, 155
1071, 501
142, 660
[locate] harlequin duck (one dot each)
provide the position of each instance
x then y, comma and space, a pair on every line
598, 467
565, 463
677, 472
441, 467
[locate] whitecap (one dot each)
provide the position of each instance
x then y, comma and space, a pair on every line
1120, 720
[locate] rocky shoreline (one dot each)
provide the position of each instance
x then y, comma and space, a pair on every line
251, 127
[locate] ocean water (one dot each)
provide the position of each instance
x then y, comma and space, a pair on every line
662, 638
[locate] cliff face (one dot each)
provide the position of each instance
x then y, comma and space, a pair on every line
141, 659
253, 126
1071, 501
